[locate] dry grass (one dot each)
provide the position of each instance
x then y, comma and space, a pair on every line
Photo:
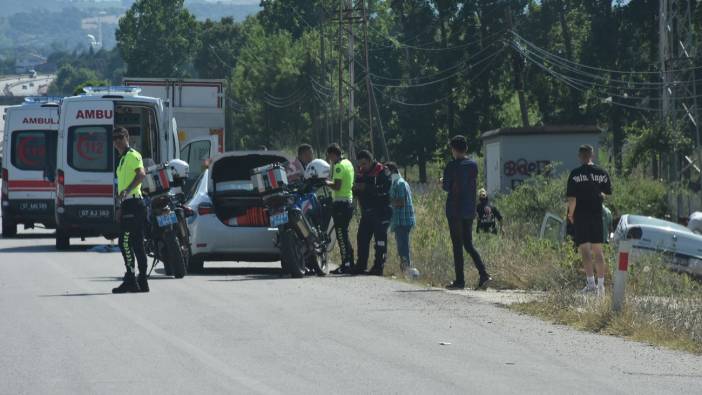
663, 308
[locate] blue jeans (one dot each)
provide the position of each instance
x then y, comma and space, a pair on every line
402, 237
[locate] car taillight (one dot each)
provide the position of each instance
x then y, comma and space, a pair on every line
4, 185
634, 233
60, 181
205, 209
188, 211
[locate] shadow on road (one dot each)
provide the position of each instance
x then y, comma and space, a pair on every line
29, 236
243, 273
76, 294
43, 248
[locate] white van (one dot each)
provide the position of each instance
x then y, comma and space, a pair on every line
29, 164
86, 159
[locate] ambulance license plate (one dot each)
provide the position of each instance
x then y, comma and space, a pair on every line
166, 220
279, 219
91, 213
27, 206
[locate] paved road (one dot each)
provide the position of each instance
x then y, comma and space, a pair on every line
245, 329
20, 85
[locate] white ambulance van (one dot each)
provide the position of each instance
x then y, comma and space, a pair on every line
86, 160
29, 164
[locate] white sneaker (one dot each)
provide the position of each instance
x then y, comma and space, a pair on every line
412, 273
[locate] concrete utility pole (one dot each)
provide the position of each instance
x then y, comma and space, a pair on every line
517, 68
369, 85
352, 81
679, 103
350, 13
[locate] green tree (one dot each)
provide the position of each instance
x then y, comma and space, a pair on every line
220, 45
68, 78
270, 95
157, 38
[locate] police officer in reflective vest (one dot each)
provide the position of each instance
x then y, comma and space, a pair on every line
131, 213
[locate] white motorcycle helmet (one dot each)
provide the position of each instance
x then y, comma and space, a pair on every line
179, 168
318, 168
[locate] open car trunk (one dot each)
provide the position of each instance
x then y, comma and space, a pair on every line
235, 201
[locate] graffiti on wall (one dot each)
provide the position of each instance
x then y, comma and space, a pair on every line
518, 170
523, 167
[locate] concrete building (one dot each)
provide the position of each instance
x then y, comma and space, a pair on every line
514, 154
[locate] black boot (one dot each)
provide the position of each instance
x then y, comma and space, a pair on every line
143, 284
129, 284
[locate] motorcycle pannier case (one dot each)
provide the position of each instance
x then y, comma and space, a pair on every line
158, 180
269, 179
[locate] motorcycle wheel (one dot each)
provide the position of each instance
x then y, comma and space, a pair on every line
184, 237
163, 257
174, 254
320, 264
292, 250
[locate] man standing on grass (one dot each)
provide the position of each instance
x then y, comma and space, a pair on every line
372, 188
460, 181
403, 219
587, 187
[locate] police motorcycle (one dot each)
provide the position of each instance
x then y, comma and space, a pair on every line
167, 238
302, 212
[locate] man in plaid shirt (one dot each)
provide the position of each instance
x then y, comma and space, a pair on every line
402, 220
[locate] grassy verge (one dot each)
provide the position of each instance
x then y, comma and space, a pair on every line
663, 308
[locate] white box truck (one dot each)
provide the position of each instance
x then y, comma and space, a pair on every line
198, 107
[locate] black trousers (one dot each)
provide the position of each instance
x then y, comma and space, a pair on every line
373, 225
131, 238
343, 212
461, 230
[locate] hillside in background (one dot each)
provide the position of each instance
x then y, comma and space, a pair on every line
47, 26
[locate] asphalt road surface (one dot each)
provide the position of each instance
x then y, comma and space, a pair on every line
20, 85
245, 329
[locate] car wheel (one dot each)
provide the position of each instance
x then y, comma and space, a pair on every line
293, 257
63, 241
9, 229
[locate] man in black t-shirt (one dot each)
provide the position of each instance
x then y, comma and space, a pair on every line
587, 187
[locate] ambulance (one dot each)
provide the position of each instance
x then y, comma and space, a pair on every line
29, 164
86, 159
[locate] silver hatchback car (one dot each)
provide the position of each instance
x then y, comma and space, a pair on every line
229, 221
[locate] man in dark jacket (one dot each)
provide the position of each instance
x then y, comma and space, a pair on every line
460, 179
372, 190
488, 215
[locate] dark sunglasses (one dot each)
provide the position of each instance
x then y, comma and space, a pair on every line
115, 138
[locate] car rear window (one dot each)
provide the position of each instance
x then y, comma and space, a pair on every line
90, 148
33, 149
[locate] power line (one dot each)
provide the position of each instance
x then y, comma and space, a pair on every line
436, 74
592, 67
431, 103
469, 66
593, 85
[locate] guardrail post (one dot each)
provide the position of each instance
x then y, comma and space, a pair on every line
621, 274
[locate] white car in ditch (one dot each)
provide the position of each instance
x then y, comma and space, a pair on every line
229, 221
681, 246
